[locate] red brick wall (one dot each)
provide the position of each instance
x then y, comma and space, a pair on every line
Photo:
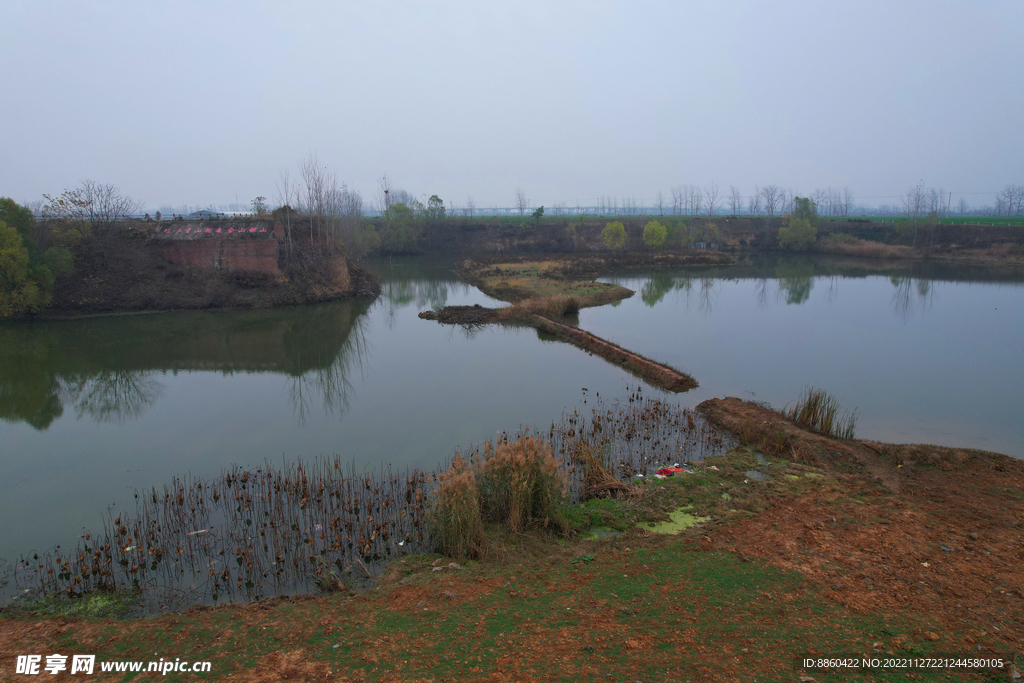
248, 255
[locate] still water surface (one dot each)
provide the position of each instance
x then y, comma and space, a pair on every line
94, 409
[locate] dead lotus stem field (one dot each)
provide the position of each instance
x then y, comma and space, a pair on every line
253, 533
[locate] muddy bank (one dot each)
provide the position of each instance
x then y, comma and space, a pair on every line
653, 372
133, 268
541, 291
762, 427
906, 528
125, 275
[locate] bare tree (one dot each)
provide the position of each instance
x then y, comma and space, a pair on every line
711, 193
822, 199
961, 207
659, 203
914, 204
1010, 200
470, 207
105, 204
345, 215
754, 202
773, 197
314, 203
521, 203
285, 191
694, 198
678, 200
735, 200
847, 201
384, 188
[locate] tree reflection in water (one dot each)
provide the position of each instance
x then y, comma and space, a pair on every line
105, 368
795, 281
330, 384
904, 302
653, 291
112, 395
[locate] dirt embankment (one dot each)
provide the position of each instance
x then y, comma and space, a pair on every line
571, 237
541, 291
909, 528
125, 271
652, 371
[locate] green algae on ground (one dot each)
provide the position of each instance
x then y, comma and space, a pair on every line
678, 521
600, 532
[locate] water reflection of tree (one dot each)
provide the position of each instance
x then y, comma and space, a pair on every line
331, 384
432, 294
796, 280
112, 395
105, 368
903, 299
653, 291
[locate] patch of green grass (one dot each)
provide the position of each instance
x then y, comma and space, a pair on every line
98, 604
600, 512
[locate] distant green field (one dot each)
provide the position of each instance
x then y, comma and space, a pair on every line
953, 220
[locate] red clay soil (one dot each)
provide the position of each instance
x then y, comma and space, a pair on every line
917, 528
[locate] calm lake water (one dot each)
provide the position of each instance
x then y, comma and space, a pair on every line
94, 409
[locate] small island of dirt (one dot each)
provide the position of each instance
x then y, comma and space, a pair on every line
542, 292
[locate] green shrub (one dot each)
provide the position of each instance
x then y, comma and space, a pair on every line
23, 289
798, 233
614, 235
819, 410
655, 234
842, 238
59, 261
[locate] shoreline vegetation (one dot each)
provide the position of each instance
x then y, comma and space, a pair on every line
644, 540
786, 539
85, 252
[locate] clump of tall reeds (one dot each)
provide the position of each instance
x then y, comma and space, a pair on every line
520, 481
514, 483
454, 514
819, 410
553, 307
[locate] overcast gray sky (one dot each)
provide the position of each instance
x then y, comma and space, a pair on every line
197, 102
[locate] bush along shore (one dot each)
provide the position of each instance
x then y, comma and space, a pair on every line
548, 556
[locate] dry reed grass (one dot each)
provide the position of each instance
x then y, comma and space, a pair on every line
454, 515
598, 482
551, 307
851, 246
521, 481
